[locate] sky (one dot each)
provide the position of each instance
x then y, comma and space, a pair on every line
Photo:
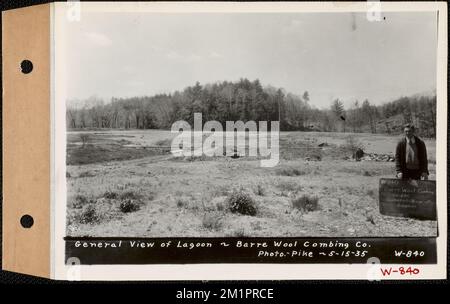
330, 55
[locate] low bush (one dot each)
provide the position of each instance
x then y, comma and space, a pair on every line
260, 190
129, 195
290, 172
129, 205
79, 201
306, 203
110, 195
89, 215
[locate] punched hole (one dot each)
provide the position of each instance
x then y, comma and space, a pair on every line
26, 221
26, 66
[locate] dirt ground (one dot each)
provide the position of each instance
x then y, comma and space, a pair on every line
128, 184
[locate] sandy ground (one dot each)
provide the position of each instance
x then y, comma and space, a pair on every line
187, 196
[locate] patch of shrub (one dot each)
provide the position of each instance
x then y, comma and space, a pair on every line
240, 232
371, 193
313, 154
80, 201
129, 205
164, 142
182, 202
220, 207
256, 225
306, 203
239, 201
84, 137
290, 172
289, 186
352, 144
212, 221
151, 196
86, 174
221, 191
124, 142
367, 173
260, 190
129, 195
194, 158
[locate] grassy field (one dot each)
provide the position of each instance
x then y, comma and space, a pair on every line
127, 183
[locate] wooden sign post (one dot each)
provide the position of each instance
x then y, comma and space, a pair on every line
408, 198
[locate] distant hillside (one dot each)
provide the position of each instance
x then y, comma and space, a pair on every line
419, 110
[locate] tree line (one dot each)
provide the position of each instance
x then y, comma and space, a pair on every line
248, 100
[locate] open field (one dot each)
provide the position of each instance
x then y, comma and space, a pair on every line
126, 183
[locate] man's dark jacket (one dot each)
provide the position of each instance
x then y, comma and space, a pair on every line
400, 155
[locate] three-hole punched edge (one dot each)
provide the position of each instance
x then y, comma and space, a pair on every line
26, 220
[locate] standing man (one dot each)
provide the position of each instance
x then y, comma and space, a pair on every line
411, 156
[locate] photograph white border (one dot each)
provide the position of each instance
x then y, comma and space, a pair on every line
233, 271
